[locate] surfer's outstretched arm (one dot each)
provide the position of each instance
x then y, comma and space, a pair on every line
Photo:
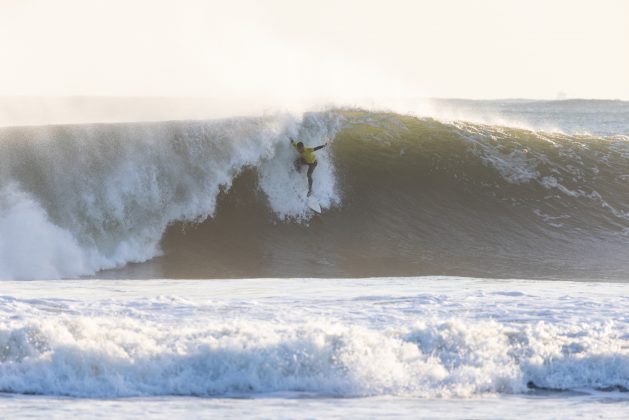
322, 146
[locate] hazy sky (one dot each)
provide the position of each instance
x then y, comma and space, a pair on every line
279, 50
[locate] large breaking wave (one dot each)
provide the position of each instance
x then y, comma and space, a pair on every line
401, 196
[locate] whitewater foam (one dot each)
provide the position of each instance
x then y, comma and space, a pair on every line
33, 247
285, 188
421, 337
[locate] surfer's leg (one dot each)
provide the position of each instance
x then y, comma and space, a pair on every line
311, 169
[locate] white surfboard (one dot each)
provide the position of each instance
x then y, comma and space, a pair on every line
313, 204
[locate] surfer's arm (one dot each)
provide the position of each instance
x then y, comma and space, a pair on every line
322, 146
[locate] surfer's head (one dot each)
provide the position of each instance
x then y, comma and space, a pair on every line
300, 147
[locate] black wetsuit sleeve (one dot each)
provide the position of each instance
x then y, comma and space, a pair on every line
319, 147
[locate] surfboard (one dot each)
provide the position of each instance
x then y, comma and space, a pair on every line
313, 204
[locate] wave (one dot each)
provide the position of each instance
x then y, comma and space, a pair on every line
78, 199
171, 346
401, 196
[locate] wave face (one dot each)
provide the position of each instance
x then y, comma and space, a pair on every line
401, 196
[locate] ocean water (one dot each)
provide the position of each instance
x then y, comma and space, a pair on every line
315, 347
471, 261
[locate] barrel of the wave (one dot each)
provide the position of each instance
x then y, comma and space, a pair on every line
308, 158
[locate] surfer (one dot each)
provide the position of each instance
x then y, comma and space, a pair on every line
306, 157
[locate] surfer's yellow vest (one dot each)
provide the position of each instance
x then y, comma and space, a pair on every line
308, 155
